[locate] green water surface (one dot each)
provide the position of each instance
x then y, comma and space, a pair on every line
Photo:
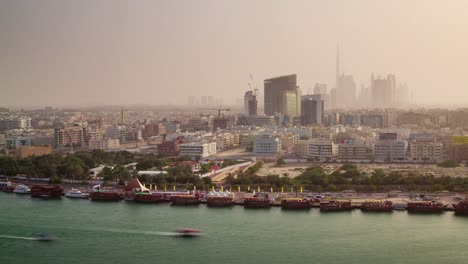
124, 232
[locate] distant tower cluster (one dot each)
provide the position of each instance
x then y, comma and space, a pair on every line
383, 91
203, 100
345, 93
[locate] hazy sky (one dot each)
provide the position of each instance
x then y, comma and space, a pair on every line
56, 52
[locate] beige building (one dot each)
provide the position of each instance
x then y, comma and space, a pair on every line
354, 152
25, 152
426, 151
302, 148
246, 140
226, 141
317, 149
103, 143
288, 141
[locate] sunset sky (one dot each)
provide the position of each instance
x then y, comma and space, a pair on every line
91, 52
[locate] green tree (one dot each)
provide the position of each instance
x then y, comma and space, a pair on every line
448, 164
280, 162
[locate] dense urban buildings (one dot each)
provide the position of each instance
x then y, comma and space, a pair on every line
383, 91
328, 125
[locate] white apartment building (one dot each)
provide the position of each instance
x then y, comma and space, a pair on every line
426, 151
316, 148
197, 149
390, 150
267, 145
321, 149
103, 143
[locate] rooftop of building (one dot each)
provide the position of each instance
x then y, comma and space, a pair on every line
281, 77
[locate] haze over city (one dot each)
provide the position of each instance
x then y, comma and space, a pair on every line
77, 53
233, 131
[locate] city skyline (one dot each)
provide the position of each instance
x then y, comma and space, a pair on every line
101, 53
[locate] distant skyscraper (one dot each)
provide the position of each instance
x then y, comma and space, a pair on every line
282, 95
312, 109
320, 88
345, 88
250, 103
122, 118
364, 98
332, 98
402, 94
383, 91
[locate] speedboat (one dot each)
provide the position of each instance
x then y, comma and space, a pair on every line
188, 232
22, 189
75, 193
45, 237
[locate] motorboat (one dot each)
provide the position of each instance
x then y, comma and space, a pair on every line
4, 185
22, 189
188, 232
77, 194
45, 237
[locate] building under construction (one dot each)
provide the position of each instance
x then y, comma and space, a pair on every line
250, 103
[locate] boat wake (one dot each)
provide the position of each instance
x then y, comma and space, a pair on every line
18, 237
138, 232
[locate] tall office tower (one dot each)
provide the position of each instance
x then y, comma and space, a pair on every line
122, 117
282, 95
402, 97
320, 88
345, 87
364, 98
312, 109
332, 98
383, 90
250, 103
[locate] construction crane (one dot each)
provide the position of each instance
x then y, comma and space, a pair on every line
253, 85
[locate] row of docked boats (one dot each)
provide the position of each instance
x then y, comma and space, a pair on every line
136, 192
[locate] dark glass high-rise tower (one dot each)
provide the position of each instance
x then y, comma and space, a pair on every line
282, 95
